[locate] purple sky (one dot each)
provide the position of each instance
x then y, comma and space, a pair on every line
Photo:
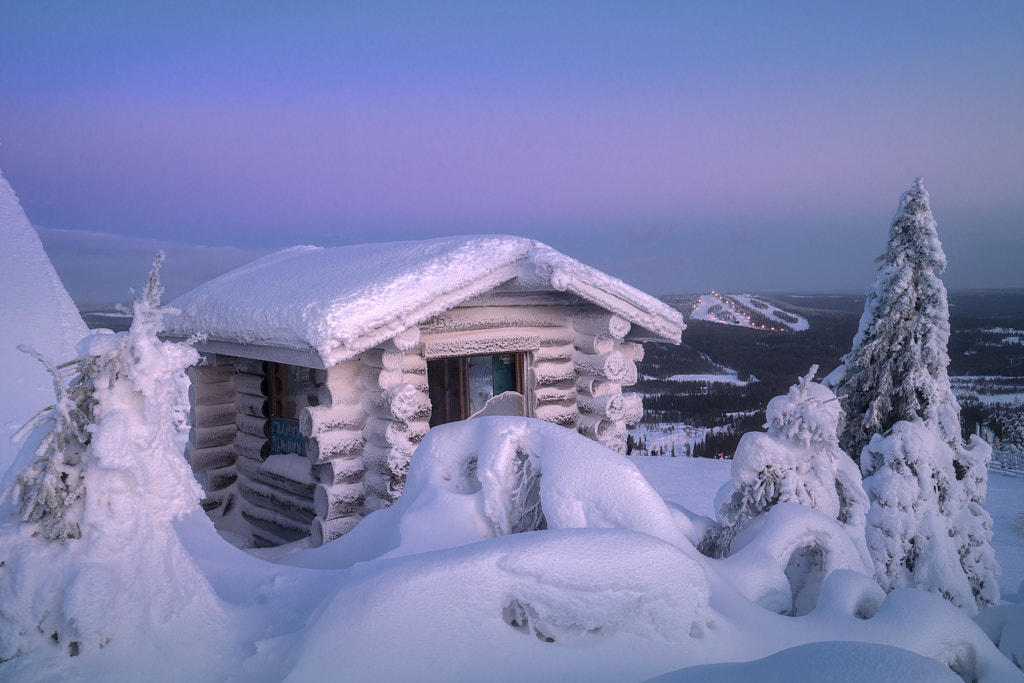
681, 146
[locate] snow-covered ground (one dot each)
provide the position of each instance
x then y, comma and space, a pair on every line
746, 310
519, 551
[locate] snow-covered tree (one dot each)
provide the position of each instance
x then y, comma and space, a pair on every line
896, 369
798, 460
107, 482
926, 527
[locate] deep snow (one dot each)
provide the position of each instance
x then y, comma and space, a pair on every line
608, 586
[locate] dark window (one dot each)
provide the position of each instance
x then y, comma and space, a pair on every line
459, 387
289, 394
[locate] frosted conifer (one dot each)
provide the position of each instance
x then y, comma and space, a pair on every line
108, 473
799, 461
896, 369
926, 527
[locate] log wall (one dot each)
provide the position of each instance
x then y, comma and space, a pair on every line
368, 414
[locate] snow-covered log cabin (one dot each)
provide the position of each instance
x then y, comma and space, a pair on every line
324, 368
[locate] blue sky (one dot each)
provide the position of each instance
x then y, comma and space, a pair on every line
681, 146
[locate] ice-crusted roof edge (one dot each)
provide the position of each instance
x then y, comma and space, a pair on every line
658, 320
540, 267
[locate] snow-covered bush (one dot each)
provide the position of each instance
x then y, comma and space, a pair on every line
798, 460
108, 481
926, 527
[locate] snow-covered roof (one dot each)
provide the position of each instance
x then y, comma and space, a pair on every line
337, 302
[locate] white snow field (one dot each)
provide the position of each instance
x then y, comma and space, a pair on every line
520, 551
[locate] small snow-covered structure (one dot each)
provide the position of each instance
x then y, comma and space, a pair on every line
326, 367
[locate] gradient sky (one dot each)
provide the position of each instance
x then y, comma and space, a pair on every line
681, 146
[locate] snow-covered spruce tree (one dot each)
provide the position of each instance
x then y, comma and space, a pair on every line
87, 549
926, 527
798, 460
896, 369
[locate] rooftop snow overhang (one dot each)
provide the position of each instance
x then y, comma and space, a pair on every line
318, 307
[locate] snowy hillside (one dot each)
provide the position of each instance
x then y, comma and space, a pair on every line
35, 310
745, 310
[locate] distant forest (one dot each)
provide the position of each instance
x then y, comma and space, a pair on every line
982, 343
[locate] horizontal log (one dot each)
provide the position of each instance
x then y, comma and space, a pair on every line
599, 429
202, 459
340, 471
326, 530
388, 433
597, 344
379, 358
211, 415
414, 364
618, 445
597, 322
379, 491
375, 379
250, 365
555, 394
257, 406
298, 508
495, 317
276, 528
588, 385
633, 408
217, 479
386, 470
317, 420
254, 385
214, 392
207, 437
565, 415
257, 426
211, 374
279, 478
547, 374
611, 366
339, 500
477, 343
253, 447
331, 445
561, 353
213, 502
403, 341
632, 351
400, 402
609, 407
632, 374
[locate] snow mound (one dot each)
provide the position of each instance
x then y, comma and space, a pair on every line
35, 310
92, 553
836, 662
